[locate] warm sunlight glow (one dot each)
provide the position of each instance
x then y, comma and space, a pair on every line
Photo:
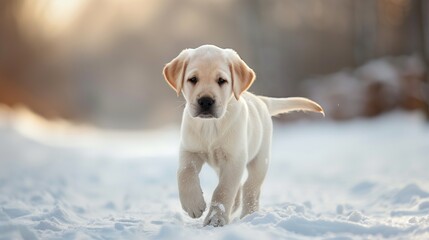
52, 16
59, 13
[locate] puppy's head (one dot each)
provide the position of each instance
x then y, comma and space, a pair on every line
208, 77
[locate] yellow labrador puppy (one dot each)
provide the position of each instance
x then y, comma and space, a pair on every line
225, 126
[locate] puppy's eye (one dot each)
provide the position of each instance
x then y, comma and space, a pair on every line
193, 80
221, 81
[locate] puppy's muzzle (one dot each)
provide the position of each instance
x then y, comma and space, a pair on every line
206, 106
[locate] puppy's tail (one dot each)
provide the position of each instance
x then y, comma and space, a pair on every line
283, 105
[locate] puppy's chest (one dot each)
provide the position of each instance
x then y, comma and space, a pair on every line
210, 141
215, 157
213, 152
205, 137
210, 144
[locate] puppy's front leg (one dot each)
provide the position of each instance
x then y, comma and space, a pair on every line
190, 193
231, 171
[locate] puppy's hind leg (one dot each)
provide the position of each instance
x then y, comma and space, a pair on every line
257, 170
237, 201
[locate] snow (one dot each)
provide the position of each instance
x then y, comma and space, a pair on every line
365, 178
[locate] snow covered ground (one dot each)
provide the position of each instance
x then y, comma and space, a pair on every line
364, 178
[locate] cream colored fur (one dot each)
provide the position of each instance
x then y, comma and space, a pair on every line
236, 138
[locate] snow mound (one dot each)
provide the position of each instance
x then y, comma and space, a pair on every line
318, 227
408, 193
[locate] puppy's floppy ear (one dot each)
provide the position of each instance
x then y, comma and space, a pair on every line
241, 74
174, 71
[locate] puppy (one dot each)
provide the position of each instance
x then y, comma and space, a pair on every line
225, 126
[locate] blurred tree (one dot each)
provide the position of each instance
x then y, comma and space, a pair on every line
365, 27
422, 11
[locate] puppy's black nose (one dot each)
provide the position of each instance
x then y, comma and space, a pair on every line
206, 102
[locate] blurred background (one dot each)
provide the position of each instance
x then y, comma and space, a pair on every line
100, 61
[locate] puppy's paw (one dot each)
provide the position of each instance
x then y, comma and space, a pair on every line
217, 216
193, 203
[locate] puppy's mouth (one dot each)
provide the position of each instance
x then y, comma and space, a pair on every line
205, 115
